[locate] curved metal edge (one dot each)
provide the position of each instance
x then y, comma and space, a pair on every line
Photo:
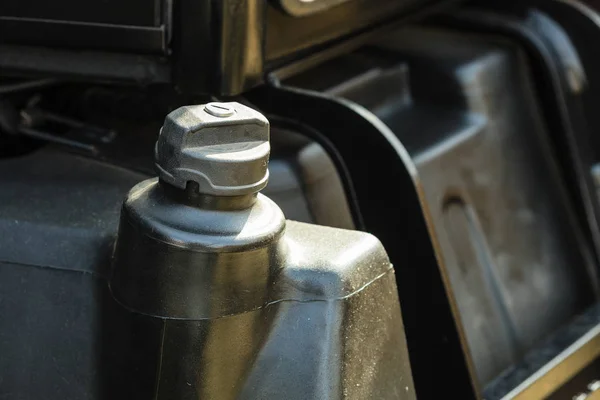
302, 8
241, 59
390, 199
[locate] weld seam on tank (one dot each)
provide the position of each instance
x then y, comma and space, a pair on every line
390, 270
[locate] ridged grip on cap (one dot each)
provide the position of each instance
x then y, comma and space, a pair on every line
223, 147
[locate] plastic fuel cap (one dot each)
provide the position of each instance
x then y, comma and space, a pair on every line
223, 147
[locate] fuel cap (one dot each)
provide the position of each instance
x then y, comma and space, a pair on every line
223, 147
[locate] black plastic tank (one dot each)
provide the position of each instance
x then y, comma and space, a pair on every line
249, 305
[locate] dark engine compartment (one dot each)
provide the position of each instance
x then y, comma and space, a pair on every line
461, 135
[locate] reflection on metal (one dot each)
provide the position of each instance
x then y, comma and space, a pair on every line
240, 64
593, 392
301, 8
561, 369
287, 37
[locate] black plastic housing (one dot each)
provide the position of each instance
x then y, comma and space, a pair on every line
250, 306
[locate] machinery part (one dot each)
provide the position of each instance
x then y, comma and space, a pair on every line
400, 222
192, 148
569, 93
473, 231
238, 288
240, 64
565, 99
571, 372
496, 235
30, 119
62, 331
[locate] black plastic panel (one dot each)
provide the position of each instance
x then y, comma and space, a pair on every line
117, 12
82, 35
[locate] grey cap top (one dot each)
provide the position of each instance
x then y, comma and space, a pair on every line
223, 147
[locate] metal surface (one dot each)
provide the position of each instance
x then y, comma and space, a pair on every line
560, 370
302, 8
191, 147
240, 42
565, 366
544, 354
374, 158
218, 46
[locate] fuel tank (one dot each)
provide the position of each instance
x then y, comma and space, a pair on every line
237, 302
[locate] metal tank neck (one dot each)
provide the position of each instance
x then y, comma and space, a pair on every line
199, 242
191, 196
